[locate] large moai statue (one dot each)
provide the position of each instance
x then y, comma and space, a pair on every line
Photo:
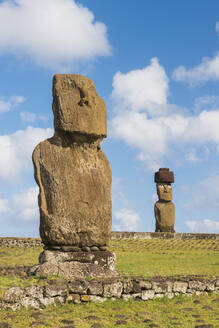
74, 178
164, 209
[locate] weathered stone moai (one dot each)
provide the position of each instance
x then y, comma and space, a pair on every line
74, 178
164, 209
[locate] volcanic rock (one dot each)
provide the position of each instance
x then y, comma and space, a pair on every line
72, 172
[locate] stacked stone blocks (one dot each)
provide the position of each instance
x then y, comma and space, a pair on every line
81, 290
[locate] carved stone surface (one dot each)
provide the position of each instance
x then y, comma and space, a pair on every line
164, 191
104, 259
72, 172
165, 216
72, 269
77, 107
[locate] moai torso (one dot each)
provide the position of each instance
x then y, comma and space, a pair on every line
164, 208
71, 170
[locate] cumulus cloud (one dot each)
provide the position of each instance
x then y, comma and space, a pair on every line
118, 197
205, 195
16, 151
141, 89
207, 70
17, 99
28, 117
126, 220
209, 102
192, 157
24, 204
204, 226
154, 197
7, 104
53, 33
19, 215
4, 205
142, 133
124, 217
153, 126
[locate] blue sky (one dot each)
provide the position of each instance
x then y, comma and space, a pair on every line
155, 63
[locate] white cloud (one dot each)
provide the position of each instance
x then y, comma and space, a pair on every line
126, 220
22, 207
204, 195
142, 133
4, 205
209, 102
154, 197
158, 131
54, 33
208, 70
207, 193
204, 226
17, 99
203, 128
16, 151
192, 157
141, 89
28, 117
6, 105
25, 205
118, 197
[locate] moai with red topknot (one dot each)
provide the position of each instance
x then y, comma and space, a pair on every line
164, 209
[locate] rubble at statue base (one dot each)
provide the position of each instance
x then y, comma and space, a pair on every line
164, 209
74, 179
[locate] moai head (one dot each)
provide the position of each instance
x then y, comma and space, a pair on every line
164, 191
77, 107
164, 178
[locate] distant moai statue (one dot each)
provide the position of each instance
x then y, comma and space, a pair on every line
74, 178
164, 209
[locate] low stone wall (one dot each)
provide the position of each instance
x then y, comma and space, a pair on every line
79, 291
19, 242
31, 242
162, 235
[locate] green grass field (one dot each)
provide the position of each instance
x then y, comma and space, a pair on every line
146, 258
186, 312
167, 257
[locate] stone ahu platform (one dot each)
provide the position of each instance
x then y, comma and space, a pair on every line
70, 262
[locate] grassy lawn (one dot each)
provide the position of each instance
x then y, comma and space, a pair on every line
167, 257
146, 258
185, 312
19, 256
